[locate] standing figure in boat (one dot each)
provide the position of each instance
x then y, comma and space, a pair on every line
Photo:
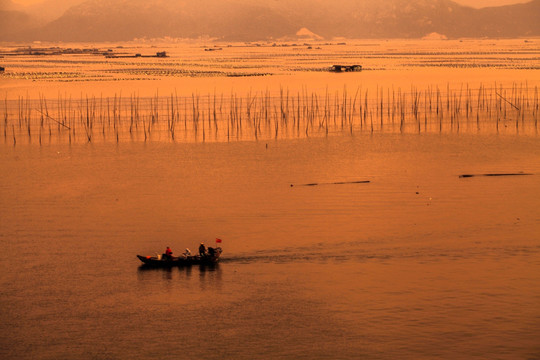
202, 250
168, 254
207, 256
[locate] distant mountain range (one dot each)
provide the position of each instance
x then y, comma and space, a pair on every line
252, 20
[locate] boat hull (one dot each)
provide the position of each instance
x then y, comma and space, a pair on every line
153, 261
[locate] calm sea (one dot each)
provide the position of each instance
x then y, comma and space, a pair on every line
416, 264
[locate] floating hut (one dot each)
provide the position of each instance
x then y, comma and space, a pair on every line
346, 68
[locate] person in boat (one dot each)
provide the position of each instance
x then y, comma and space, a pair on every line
211, 251
187, 253
202, 250
168, 254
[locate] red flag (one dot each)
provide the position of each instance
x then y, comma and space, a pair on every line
218, 240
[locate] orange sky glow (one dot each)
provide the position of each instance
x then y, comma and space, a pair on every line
474, 3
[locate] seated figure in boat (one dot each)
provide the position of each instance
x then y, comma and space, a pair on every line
168, 254
211, 251
187, 253
202, 250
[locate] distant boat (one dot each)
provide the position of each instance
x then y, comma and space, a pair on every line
211, 258
2, 69
346, 68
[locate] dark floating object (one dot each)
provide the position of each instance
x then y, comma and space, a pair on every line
160, 262
159, 54
504, 174
346, 68
336, 183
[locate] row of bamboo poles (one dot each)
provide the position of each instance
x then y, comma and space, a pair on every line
265, 115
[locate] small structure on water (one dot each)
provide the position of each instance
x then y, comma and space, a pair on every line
111, 55
346, 68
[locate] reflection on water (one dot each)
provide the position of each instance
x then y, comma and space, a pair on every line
187, 270
405, 266
272, 116
416, 264
251, 63
492, 92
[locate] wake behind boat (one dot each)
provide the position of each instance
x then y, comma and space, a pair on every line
209, 257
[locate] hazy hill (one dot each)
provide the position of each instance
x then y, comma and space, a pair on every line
507, 21
415, 18
99, 20
49, 10
245, 20
13, 19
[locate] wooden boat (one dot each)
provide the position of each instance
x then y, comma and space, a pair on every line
211, 258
